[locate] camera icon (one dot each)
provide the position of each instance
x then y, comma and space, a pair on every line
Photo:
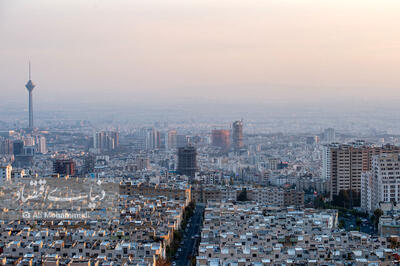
26, 215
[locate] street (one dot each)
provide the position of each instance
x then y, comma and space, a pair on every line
350, 224
187, 248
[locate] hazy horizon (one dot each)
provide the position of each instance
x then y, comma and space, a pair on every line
214, 51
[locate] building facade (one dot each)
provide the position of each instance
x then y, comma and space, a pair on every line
64, 167
187, 161
5, 173
106, 141
237, 135
343, 165
382, 183
220, 138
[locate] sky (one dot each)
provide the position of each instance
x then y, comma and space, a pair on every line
165, 51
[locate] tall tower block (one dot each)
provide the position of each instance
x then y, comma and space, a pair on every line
30, 86
237, 135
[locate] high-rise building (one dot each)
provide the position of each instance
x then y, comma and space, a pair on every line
41, 145
163, 140
23, 154
88, 164
171, 139
237, 135
187, 161
220, 138
5, 173
382, 183
343, 165
29, 141
6, 146
18, 147
153, 139
30, 86
329, 135
64, 167
312, 140
273, 163
106, 141
181, 141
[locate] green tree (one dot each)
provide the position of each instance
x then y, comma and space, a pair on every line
242, 195
377, 214
341, 224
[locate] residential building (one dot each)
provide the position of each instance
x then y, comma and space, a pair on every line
343, 165
382, 183
237, 135
220, 138
187, 162
106, 141
64, 167
5, 173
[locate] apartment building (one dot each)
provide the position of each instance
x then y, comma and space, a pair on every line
382, 183
343, 165
5, 173
168, 190
271, 196
293, 197
268, 196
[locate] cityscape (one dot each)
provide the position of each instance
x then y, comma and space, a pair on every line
139, 169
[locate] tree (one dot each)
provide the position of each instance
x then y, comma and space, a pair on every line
341, 224
242, 195
350, 256
377, 214
342, 199
319, 202
162, 262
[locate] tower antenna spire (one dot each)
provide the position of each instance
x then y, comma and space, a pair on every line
29, 69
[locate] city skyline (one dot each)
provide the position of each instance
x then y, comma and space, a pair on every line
201, 132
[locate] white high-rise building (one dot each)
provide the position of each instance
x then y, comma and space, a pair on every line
326, 163
382, 183
171, 142
41, 145
153, 140
106, 141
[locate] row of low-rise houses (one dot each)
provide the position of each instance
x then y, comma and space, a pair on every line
269, 196
138, 236
252, 234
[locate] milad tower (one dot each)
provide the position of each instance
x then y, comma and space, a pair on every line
30, 86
